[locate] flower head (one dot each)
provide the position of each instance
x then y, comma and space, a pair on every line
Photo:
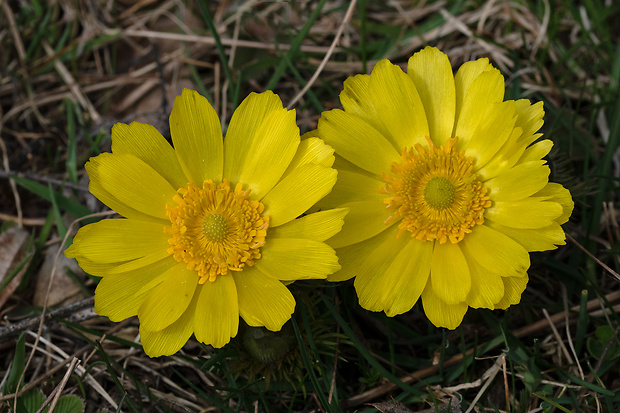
210, 230
446, 185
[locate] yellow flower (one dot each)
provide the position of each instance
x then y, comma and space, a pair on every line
446, 185
210, 232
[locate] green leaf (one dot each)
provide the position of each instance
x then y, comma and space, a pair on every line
17, 368
63, 202
69, 404
32, 400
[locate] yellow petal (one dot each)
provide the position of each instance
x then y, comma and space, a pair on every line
134, 183
530, 119
561, 195
539, 239
197, 137
290, 259
400, 107
117, 240
312, 150
263, 300
407, 276
432, 75
172, 338
352, 257
318, 226
168, 300
513, 288
357, 141
496, 252
217, 311
529, 213
364, 220
487, 288
369, 280
508, 155
118, 296
146, 143
536, 151
439, 312
353, 187
301, 189
475, 97
450, 273
519, 182
492, 132
100, 192
244, 125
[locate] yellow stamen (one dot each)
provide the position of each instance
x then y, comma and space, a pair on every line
436, 193
216, 229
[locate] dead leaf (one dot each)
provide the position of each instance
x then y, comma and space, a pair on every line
391, 407
13, 249
63, 290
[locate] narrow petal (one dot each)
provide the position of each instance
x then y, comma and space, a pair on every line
492, 86
450, 273
369, 280
352, 257
353, 187
561, 195
241, 133
101, 269
519, 182
496, 252
319, 226
145, 142
117, 240
172, 338
432, 75
508, 155
513, 288
530, 119
118, 296
274, 144
439, 312
297, 192
487, 288
217, 311
134, 183
536, 151
528, 213
357, 141
540, 239
492, 132
407, 277
401, 110
313, 151
263, 300
197, 137
104, 195
290, 259
364, 220
482, 93
168, 300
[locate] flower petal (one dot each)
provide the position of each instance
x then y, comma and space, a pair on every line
318, 226
311, 151
512, 214
487, 288
242, 139
290, 259
364, 220
133, 183
118, 296
519, 182
357, 141
492, 132
146, 143
168, 300
530, 119
197, 136
407, 276
353, 187
217, 311
296, 193
513, 288
539, 239
432, 75
172, 338
450, 273
263, 300
536, 151
400, 108
440, 313
508, 155
496, 252
118, 240
560, 195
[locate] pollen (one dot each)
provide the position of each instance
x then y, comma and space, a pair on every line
435, 193
215, 229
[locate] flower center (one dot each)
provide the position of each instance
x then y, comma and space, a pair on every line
216, 229
436, 193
